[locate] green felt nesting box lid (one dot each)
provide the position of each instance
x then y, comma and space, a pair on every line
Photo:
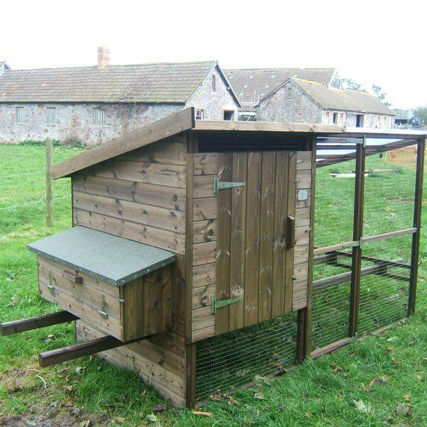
112, 259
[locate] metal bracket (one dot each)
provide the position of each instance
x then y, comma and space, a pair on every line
353, 244
362, 142
103, 311
50, 286
222, 185
222, 303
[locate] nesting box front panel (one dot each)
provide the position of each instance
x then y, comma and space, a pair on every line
139, 308
251, 213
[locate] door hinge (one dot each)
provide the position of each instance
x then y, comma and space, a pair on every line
222, 303
221, 185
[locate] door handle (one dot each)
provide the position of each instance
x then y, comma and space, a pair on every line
290, 232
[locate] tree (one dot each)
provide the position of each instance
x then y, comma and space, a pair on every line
421, 114
352, 85
380, 94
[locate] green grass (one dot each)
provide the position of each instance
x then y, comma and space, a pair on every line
386, 375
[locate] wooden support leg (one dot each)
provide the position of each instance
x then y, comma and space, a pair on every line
356, 268
190, 375
417, 224
301, 326
79, 350
9, 328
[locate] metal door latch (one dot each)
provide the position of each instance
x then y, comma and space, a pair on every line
222, 303
103, 311
50, 286
222, 185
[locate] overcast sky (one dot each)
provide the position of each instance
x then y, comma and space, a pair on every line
376, 41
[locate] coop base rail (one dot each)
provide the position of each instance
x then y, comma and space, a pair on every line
16, 326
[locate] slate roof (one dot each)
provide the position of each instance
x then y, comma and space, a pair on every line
344, 100
251, 85
147, 83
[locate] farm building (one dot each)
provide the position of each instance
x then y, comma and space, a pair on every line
303, 101
253, 84
3, 67
306, 95
99, 103
198, 257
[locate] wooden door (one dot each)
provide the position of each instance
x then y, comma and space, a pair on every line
255, 237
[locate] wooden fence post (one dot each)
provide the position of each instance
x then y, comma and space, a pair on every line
417, 224
356, 267
49, 184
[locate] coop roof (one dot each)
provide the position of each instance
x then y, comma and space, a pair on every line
175, 124
112, 259
145, 83
253, 84
342, 100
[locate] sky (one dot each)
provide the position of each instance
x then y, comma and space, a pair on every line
374, 42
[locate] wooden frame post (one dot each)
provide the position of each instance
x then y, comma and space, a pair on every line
417, 224
49, 184
305, 317
356, 267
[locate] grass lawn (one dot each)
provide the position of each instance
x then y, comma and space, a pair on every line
380, 380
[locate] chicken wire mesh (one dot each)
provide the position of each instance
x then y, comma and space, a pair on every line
334, 204
389, 191
331, 311
384, 293
233, 359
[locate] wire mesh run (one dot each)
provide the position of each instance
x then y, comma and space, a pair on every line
389, 191
334, 205
233, 359
384, 293
331, 311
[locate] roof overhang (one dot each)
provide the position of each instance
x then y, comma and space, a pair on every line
184, 121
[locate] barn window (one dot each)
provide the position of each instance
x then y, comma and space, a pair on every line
98, 116
213, 83
200, 114
335, 118
51, 115
19, 115
359, 121
228, 115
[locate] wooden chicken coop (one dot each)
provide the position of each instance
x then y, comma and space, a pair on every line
184, 232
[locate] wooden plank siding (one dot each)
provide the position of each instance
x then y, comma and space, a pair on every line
159, 361
137, 195
142, 196
239, 238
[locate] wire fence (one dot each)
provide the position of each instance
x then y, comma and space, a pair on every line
245, 355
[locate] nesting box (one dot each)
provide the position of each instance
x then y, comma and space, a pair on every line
224, 209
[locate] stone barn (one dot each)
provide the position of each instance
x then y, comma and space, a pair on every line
303, 101
97, 103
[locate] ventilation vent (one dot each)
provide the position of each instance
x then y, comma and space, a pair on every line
247, 142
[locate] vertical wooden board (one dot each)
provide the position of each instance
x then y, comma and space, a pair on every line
279, 243
291, 203
178, 294
153, 291
266, 236
166, 322
188, 275
222, 317
133, 308
253, 207
238, 227
205, 163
